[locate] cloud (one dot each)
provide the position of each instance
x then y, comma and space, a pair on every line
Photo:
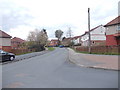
119, 8
20, 31
13, 15
56, 14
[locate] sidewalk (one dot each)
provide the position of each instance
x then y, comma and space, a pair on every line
94, 61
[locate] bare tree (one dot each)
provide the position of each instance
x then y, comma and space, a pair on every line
69, 33
38, 39
31, 36
41, 37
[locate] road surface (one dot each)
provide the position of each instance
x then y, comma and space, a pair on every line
53, 70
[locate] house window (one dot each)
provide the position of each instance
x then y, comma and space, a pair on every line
118, 27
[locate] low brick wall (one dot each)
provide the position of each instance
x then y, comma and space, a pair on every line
100, 49
6, 48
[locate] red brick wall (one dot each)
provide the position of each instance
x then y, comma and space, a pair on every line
6, 48
14, 45
111, 40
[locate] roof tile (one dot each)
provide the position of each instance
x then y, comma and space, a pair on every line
18, 39
113, 22
4, 35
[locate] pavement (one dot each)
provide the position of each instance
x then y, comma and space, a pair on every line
94, 61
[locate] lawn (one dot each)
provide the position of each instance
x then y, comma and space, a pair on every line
51, 48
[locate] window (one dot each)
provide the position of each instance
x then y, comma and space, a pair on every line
118, 27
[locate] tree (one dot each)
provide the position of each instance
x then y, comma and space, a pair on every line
42, 37
58, 34
69, 33
37, 39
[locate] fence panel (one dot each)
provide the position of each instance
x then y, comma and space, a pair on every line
100, 49
21, 51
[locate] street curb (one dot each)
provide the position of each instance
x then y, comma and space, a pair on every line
94, 67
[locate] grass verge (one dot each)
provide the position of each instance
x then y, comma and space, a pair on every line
51, 48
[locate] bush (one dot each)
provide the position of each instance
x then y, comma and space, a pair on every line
37, 48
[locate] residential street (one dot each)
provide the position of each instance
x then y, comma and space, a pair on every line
53, 70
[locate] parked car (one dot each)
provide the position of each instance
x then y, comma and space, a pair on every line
61, 46
4, 56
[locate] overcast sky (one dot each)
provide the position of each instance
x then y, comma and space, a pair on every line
21, 16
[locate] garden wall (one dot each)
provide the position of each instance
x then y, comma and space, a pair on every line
100, 49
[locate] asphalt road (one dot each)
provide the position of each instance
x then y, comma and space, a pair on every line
53, 70
25, 56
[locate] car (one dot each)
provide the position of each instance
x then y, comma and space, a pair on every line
61, 46
4, 56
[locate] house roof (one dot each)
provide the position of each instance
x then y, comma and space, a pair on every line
84, 34
113, 22
95, 28
54, 40
76, 37
18, 39
4, 35
67, 39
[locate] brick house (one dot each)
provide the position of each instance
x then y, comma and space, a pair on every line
66, 41
16, 42
97, 36
5, 41
76, 40
53, 42
113, 32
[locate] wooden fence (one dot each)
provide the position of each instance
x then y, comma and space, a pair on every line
21, 51
100, 49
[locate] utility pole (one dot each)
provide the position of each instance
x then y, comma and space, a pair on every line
89, 43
